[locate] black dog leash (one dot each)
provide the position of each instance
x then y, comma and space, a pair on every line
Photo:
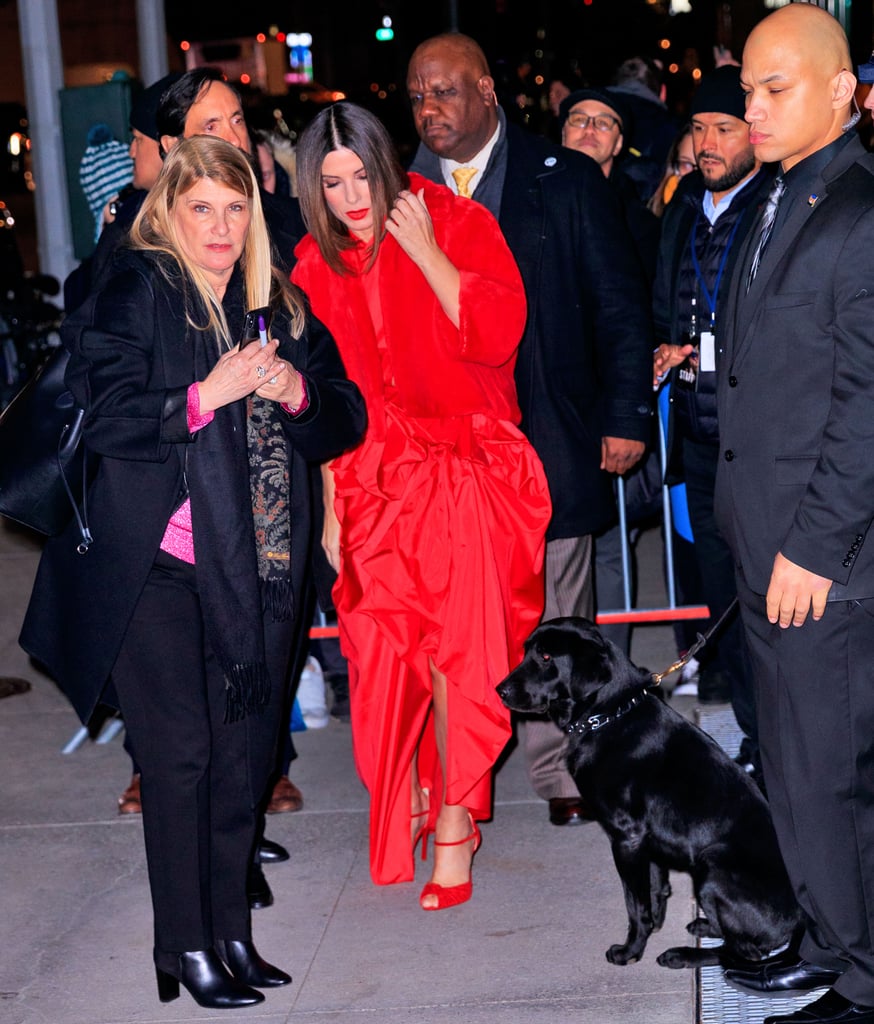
594, 722
695, 648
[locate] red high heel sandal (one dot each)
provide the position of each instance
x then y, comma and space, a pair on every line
453, 895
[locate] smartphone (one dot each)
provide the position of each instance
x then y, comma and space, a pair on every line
250, 331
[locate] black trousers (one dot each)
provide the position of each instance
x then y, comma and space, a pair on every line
299, 646
203, 780
815, 697
726, 650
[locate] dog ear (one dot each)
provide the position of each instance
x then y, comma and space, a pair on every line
622, 669
592, 663
561, 711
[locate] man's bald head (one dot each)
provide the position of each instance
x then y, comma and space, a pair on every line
452, 96
812, 32
455, 46
799, 87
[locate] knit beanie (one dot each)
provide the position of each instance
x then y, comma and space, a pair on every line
144, 110
104, 170
720, 93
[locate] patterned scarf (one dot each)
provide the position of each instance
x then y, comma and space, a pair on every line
240, 518
269, 483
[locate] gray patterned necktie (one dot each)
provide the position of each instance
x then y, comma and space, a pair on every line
767, 226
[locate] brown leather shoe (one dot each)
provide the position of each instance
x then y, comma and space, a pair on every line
11, 685
129, 802
286, 797
568, 810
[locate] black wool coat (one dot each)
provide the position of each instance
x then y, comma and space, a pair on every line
131, 365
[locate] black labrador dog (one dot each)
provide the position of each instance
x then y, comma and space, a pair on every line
667, 795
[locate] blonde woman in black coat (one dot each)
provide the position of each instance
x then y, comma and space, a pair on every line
184, 606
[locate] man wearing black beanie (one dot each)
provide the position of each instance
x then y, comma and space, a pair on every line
702, 233
598, 122
146, 155
144, 148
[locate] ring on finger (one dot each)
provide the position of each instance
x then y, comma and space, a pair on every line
260, 371
272, 380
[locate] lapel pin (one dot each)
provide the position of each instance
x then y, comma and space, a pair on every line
812, 198
550, 161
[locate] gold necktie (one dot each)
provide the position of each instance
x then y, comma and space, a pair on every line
462, 177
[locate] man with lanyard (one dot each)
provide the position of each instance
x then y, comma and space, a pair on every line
702, 232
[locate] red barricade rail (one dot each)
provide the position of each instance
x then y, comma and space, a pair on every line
671, 612
635, 615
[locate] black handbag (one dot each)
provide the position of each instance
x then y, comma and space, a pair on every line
43, 464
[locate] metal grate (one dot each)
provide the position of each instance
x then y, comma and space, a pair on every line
715, 1001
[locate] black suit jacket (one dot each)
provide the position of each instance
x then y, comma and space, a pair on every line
584, 368
796, 390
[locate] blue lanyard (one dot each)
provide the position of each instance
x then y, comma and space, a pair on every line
711, 296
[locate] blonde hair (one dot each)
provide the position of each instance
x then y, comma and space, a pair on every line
664, 193
154, 230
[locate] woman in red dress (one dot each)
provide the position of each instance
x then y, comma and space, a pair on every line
435, 523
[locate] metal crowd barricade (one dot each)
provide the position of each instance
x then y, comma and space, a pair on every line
670, 612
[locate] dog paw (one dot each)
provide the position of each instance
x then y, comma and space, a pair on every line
670, 959
678, 957
621, 955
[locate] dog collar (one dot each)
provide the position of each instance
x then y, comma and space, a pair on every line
594, 722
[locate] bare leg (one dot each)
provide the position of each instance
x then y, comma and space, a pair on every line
419, 802
451, 863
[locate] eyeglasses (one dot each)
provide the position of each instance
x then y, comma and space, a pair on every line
602, 122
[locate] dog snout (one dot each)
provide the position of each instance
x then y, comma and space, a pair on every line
507, 692
516, 689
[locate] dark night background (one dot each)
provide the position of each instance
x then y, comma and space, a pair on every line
347, 56
574, 40
579, 41
529, 44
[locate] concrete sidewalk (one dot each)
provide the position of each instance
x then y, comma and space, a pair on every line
75, 918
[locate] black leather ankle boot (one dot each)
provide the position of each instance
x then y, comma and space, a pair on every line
205, 977
247, 965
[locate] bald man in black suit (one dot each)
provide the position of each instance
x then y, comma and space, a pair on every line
795, 493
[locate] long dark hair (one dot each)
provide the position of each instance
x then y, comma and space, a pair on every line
345, 125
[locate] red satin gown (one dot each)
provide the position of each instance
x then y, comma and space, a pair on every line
442, 538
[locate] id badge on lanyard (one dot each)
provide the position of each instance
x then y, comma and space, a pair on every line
706, 340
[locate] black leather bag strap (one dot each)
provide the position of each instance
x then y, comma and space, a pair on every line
68, 442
